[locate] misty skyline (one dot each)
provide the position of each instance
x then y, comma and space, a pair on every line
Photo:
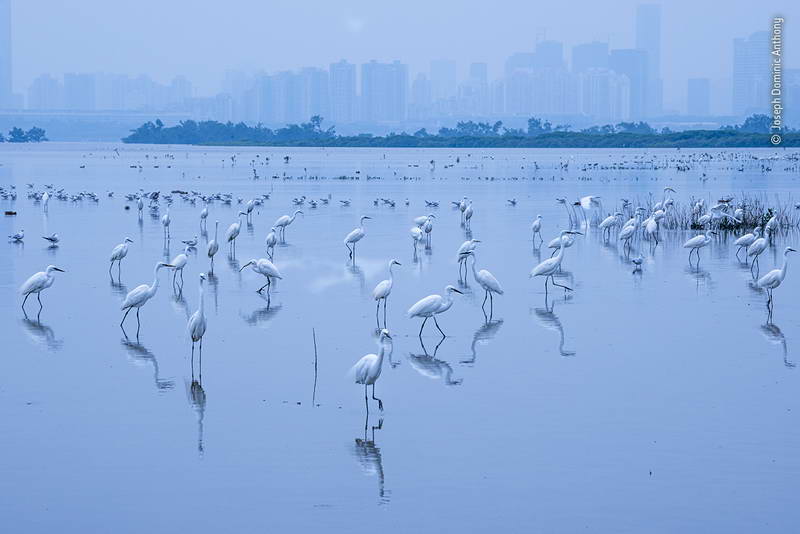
202, 41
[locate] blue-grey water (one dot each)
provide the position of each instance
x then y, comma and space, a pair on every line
655, 402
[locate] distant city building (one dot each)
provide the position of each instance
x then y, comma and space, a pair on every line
444, 79
648, 39
751, 74
79, 91
384, 91
479, 72
6, 88
549, 55
421, 100
343, 92
698, 97
791, 94
604, 95
633, 64
45, 93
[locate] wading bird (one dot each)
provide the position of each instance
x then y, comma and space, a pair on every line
38, 283
196, 327
271, 241
284, 221
382, 292
178, 263
265, 268
467, 246
233, 232
487, 281
431, 306
772, 279
746, 240
139, 296
165, 222
536, 229
696, 243
367, 370
213, 246
118, 253
355, 236
548, 267
53, 239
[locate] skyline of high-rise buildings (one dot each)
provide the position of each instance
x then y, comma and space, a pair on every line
589, 82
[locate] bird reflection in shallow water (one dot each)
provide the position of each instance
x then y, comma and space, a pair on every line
213, 285
433, 368
141, 355
368, 455
548, 319
42, 334
197, 398
262, 315
482, 336
233, 263
118, 288
774, 335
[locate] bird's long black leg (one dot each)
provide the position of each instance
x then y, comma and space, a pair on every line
39, 298
423, 326
138, 322
384, 311
366, 402
24, 301
377, 309
485, 296
560, 285
380, 402
125, 316
437, 326
262, 288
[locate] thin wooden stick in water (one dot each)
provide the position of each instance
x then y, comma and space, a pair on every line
314, 395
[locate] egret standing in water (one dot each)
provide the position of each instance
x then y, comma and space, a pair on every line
367, 370
38, 283
165, 222
382, 291
203, 217
233, 232
468, 216
773, 279
196, 327
696, 243
465, 247
746, 240
139, 296
284, 221
213, 246
431, 306
536, 229
548, 267
271, 241
487, 281
178, 263
264, 267
355, 236
118, 253
755, 249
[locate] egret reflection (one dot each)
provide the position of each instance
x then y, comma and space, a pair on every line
549, 320
368, 455
140, 355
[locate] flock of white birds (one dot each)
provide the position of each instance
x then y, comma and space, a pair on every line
581, 214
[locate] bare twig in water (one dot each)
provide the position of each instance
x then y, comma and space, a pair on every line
314, 395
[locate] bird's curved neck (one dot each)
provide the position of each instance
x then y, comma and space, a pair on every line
785, 265
201, 308
154, 287
216, 231
391, 275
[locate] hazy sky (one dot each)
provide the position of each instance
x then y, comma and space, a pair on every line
201, 39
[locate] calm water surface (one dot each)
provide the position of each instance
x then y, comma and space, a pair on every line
652, 402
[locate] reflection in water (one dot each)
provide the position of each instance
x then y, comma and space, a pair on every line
388, 347
774, 335
197, 398
179, 302
141, 355
482, 336
368, 455
261, 315
233, 263
213, 287
548, 319
118, 288
357, 273
42, 334
433, 368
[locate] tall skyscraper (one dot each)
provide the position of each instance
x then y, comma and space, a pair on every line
751, 74
343, 92
589, 56
633, 64
648, 39
384, 91
6, 97
444, 79
549, 55
604, 95
698, 97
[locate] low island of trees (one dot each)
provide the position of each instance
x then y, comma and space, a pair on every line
753, 132
18, 135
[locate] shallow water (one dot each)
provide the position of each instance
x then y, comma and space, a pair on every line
656, 402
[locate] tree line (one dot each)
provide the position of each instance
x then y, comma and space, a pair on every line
538, 134
18, 135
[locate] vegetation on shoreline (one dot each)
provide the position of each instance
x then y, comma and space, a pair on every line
18, 135
754, 132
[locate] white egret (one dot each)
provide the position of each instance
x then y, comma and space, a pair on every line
233, 232
746, 240
367, 370
118, 253
17, 236
178, 263
38, 283
608, 223
422, 219
536, 229
196, 327
45, 200
755, 249
468, 212
382, 291
165, 222
213, 246
487, 281
548, 267
355, 236
284, 221
271, 241
773, 279
140, 205
265, 268
696, 243
431, 306
203, 216
417, 235
462, 206
428, 228
465, 247
139, 296
191, 243
249, 207
565, 240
